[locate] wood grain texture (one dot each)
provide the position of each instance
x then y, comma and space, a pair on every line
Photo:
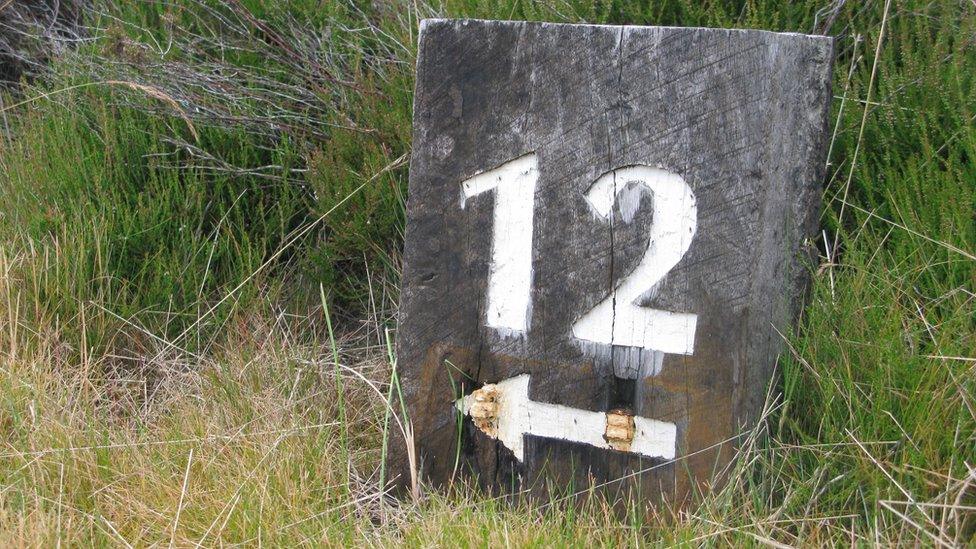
741, 116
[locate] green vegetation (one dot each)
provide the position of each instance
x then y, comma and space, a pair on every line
177, 194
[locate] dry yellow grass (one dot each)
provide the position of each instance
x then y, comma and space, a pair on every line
244, 447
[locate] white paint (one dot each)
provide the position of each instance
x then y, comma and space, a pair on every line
519, 416
510, 278
618, 320
628, 362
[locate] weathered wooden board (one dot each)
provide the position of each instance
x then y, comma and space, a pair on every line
618, 213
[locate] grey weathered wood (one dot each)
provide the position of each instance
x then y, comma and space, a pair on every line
740, 115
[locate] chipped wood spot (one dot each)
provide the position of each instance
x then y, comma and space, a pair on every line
620, 429
484, 409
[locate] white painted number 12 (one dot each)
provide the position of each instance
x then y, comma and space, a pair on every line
617, 320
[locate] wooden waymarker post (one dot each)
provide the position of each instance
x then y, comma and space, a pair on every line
605, 239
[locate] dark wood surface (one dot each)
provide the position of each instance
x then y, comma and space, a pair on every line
740, 115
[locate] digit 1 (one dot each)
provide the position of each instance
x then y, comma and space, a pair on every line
510, 274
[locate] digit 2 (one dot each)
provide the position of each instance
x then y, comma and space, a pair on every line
618, 320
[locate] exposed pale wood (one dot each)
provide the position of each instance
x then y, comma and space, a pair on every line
739, 115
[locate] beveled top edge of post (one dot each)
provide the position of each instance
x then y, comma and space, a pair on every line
438, 20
